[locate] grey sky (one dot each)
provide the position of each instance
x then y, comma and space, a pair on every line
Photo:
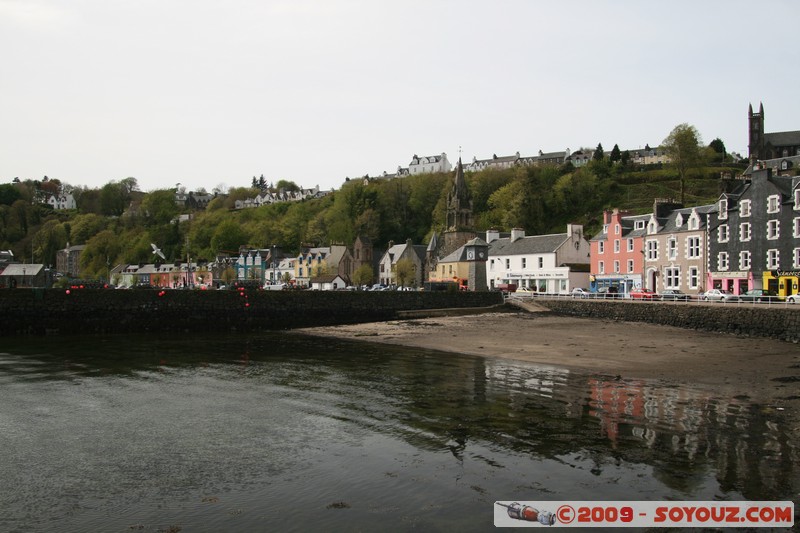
206, 93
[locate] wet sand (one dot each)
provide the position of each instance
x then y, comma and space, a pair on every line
765, 370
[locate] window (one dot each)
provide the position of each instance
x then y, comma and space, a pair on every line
694, 278
630, 245
722, 233
524, 262
630, 266
541, 262
723, 209
694, 222
602, 267
744, 232
616, 229
773, 229
773, 203
508, 264
744, 260
722, 261
616, 266
652, 228
491, 264
796, 258
300, 271
672, 248
639, 224
652, 250
773, 259
797, 194
679, 220
616, 246
693, 247
672, 277
797, 228
744, 208
601, 247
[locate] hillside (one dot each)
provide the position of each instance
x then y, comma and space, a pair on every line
118, 223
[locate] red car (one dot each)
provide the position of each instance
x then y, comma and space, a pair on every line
643, 294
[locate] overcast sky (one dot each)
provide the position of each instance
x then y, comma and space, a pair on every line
206, 93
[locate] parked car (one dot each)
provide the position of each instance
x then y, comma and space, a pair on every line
526, 290
675, 295
506, 288
719, 295
578, 292
608, 292
759, 295
643, 294
793, 298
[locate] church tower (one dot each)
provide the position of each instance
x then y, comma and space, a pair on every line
755, 132
460, 223
459, 203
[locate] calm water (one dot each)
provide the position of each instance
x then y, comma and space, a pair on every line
285, 433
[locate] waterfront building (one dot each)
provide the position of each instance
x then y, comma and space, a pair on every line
754, 235
675, 247
387, 266
428, 164
552, 264
617, 252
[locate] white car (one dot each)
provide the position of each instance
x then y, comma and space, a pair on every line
578, 292
719, 295
793, 298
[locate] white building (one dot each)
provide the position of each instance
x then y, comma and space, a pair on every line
429, 164
553, 264
62, 201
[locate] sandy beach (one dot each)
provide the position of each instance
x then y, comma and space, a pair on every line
765, 370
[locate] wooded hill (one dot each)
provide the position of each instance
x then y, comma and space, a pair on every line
117, 223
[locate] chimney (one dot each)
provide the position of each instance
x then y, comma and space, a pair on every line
492, 235
517, 233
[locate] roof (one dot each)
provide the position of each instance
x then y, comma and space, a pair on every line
328, 278
22, 269
535, 244
783, 138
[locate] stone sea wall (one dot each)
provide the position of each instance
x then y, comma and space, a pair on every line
59, 312
776, 321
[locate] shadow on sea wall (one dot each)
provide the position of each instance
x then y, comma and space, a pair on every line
778, 322
52, 311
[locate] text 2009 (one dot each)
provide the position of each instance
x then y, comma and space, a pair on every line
604, 514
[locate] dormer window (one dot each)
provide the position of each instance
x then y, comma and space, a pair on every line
652, 227
639, 224
694, 222
723, 209
679, 220
797, 199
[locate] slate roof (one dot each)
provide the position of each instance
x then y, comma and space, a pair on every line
783, 138
535, 244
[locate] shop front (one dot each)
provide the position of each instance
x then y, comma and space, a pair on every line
733, 282
783, 282
624, 283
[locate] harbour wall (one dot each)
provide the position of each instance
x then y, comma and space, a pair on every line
89, 311
779, 321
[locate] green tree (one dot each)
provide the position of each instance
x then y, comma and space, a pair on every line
363, 275
159, 207
8, 194
100, 253
683, 146
615, 154
286, 185
404, 272
716, 149
598, 155
50, 238
228, 237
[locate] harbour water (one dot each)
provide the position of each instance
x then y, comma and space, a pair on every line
281, 432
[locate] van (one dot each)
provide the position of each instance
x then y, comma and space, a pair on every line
506, 288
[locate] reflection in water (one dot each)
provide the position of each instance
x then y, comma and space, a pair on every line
231, 433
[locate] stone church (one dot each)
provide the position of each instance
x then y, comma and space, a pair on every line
763, 146
459, 224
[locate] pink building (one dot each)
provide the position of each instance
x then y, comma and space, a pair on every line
617, 253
